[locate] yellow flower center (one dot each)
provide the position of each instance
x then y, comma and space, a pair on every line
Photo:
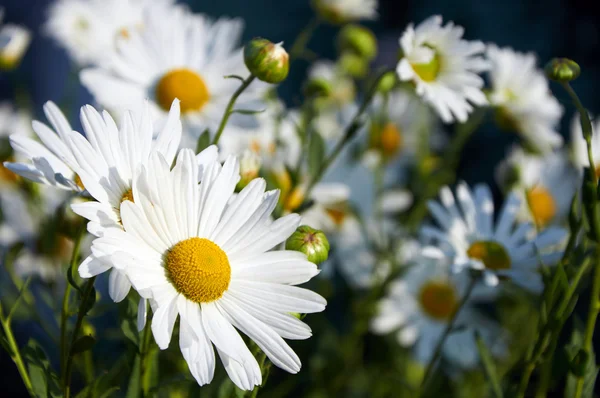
337, 215
124, 33
294, 199
438, 299
492, 254
6, 175
199, 269
390, 140
128, 195
428, 72
505, 120
542, 205
185, 85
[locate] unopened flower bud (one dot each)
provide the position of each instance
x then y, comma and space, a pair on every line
354, 65
317, 87
267, 61
562, 70
311, 242
358, 40
14, 41
387, 82
250, 164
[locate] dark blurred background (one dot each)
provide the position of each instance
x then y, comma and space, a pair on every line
548, 28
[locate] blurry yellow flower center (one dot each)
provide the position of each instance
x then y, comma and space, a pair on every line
492, 254
542, 205
199, 269
124, 33
337, 215
127, 196
6, 175
78, 181
294, 199
438, 299
185, 85
257, 147
428, 72
391, 139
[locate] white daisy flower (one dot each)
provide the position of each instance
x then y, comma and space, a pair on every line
16, 122
419, 306
331, 211
468, 237
342, 11
89, 29
523, 99
579, 152
177, 55
14, 41
444, 68
545, 185
201, 254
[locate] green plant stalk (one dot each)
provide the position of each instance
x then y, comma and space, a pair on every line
437, 352
87, 290
350, 132
64, 315
15, 353
145, 357
229, 109
299, 46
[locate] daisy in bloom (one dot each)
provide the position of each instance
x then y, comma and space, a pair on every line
14, 41
89, 29
443, 67
468, 237
203, 255
11, 122
522, 98
579, 152
342, 11
545, 185
335, 111
418, 307
177, 55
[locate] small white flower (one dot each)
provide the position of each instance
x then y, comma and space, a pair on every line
418, 308
16, 122
523, 99
468, 237
341, 11
90, 29
201, 254
177, 55
14, 41
444, 67
545, 185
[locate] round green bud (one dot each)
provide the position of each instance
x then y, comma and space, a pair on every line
562, 70
317, 87
267, 61
354, 65
387, 82
311, 242
357, 40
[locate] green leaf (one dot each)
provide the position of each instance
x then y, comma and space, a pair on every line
580, 362
234, 77
488, 365
72, 281
203, 141
109, 392
128, 312
134, 386
84, 343
316, 153
248, 111
109, 381
90, 300
44, 380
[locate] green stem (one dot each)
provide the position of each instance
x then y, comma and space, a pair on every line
229, 109
64, 315
15, 353
350, 132
87, 291
303, 38
144, 358
449, 328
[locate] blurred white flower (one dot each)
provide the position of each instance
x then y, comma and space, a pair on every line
444, 67
522, 98
209, 262
468, 236
177, 55
395, 201
90, 29
544, 184
341, 11
419, 306
12, 121
14, 41
579, 147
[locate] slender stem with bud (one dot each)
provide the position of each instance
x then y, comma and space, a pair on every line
299, 46
229, 109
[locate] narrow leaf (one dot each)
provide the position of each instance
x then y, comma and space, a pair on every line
488, 365
234, 77
203, 141
316, 153
84, 343
248, 111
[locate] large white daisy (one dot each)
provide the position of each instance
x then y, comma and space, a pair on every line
468, 237
545, 185
89, 29
418, 307
342, 11
177, 55
444, 67
203, 255
523, 100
